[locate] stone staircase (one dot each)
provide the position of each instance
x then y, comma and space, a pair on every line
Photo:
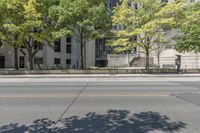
139, 62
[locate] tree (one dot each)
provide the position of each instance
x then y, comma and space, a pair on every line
84, 19
188, 38
34, 27
159, 48
8, 35
146, 20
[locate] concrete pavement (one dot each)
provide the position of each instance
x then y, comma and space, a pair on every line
96, 75
99, 78
99, 107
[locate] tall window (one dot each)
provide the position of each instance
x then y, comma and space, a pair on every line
100, 47
68, 61
134, 39
57, 45
68, 45
69, 40
2, 61
1, 43
57, 61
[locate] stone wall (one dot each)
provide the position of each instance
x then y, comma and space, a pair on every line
103, 71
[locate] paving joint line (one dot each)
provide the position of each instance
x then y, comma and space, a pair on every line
72, 102
186, 100
184, 84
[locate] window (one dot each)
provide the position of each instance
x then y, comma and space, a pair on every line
22, 62
57, 61
101, 49
38, 60
68, 49
68, 45
57, 46
69, 40
38, 45
1, 43
2, 61
68, 61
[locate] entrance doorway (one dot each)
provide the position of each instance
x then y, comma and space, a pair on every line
2, 61
21, 62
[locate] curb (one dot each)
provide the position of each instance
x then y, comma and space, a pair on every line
103, 76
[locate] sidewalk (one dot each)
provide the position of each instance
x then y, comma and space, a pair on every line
51, 79
97, 75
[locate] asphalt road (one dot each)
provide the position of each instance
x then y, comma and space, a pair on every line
100, 107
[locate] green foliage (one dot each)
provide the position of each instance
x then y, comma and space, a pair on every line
85, 19
27, 23
146, 22
84, 15
27, 19
189, 38
7, 35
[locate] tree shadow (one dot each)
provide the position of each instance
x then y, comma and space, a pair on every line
114, 121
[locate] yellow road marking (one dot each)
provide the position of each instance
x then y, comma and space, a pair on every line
84, 95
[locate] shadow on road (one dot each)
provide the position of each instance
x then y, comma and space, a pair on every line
114, 121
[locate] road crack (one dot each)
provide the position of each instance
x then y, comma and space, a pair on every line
71, 103
184, 99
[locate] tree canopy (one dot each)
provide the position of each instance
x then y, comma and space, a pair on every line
143, 22
188, 38
28, 24
31, 23
85, 19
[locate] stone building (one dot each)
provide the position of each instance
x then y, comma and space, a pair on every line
65, 54
136, 58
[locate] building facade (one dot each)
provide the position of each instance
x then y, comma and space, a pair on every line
65, 54
62, 54
136, 58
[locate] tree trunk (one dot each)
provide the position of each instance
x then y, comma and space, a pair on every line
30, 60
82, 53
158, 61
147, 58
16, 64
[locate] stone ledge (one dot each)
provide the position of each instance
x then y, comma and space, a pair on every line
102, 71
